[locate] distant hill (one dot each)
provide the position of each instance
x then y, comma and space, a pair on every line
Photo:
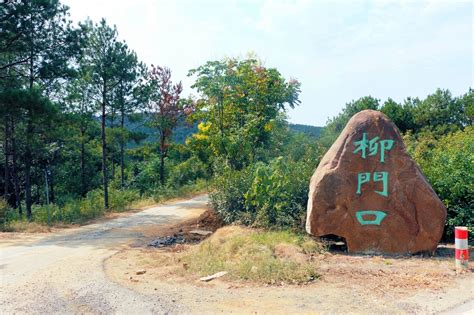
184, 130
312, 131
180, 133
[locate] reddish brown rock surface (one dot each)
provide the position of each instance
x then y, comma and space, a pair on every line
369, 191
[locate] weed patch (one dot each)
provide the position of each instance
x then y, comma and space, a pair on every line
81, 211
269, 257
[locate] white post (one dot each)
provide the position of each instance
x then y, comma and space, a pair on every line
461, 247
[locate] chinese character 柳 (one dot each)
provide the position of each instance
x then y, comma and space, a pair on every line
373, 146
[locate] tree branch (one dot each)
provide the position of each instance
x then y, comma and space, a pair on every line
11, 64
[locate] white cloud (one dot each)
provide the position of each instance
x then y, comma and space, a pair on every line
339, 50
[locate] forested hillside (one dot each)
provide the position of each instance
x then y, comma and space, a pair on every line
139, 124
312, 131
184, 129
88, 128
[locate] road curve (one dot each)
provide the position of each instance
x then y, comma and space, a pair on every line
63, 273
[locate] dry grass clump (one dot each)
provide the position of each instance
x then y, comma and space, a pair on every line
270, 257
141, 203
27, 227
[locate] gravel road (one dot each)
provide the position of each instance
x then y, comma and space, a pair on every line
63, 273
81, 271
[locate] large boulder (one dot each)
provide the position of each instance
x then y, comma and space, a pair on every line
368, 190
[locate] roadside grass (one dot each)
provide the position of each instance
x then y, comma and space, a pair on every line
26, 227
83, 211
141, 203
185, 191
267, 257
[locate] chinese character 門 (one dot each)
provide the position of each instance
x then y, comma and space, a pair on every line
364, 177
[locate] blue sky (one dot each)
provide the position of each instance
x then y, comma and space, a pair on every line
338, 50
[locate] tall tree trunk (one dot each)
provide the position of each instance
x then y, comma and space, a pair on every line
122, 145
221, 124
37, 195
162, 169
29, 131
7, 153
28, 169
111, 148
51, 184
16, 183
104, 148
162, 158
28, 157
112, 161
83, 166
7, 159
46, 185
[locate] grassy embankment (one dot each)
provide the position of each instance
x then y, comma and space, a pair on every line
247, 254
83, 211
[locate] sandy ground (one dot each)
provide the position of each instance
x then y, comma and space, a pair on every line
92, 269
63, 272
348, 284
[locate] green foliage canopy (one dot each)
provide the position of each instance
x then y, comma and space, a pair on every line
240, 105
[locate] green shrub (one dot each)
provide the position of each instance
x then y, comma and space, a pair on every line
81, 210
228, 191
4, 211
40, 213
120, 199
72, 211
169, 192
279, 192
448, 164
147, 177
271, 194
92, 205
187, 172
450, 170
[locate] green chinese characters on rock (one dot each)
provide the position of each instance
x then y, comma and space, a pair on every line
371, 148
378, 217
363, 178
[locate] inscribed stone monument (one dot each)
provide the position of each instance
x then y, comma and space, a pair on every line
368, 190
